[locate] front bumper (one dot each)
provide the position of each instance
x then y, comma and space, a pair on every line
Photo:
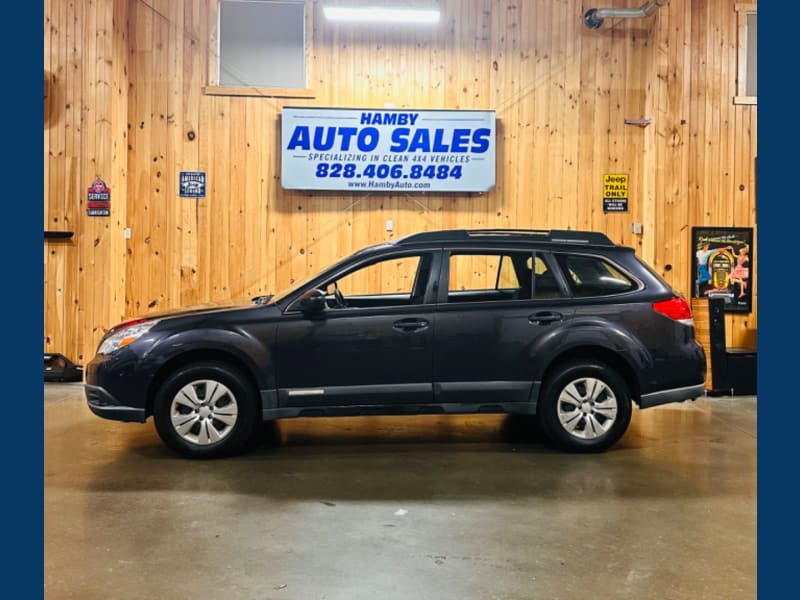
104, 405
116, 387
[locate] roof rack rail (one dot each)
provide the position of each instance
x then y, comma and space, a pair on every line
568, 236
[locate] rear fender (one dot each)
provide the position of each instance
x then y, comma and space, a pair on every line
584, 334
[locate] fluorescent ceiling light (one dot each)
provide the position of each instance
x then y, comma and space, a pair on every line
375, 14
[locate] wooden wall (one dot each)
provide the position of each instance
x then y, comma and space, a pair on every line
127, 103
85, 137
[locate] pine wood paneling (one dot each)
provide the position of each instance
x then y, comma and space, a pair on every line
119, 156
126, 102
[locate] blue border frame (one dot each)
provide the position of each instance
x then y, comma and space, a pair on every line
777, 448
24, 292
777, 167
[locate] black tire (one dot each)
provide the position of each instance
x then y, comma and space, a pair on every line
206, 410
585, 406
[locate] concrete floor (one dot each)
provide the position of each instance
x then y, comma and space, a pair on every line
380, 508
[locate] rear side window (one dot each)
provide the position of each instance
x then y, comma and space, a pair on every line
487, 277
545, 284
593, 276
477, 277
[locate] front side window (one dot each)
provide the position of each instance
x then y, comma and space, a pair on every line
388, 277
396, 281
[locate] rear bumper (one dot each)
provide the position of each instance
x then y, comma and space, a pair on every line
105, 405
674, 395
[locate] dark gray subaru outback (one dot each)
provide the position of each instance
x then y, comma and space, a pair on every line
565, 325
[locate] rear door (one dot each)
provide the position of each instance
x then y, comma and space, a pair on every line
494, 309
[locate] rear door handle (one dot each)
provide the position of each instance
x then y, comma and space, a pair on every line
543, 318
409, 325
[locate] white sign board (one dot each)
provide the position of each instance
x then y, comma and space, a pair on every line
388, 150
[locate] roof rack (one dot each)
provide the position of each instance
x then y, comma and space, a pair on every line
568, 236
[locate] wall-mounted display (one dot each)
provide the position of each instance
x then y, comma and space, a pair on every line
388, 150
192, 184
722, 263
98, 199
615, 192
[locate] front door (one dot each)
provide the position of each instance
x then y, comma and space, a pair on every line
372, 345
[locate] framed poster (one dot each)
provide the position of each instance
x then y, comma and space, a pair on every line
722, 265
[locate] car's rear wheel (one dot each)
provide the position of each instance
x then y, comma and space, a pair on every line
206, 410
585, 407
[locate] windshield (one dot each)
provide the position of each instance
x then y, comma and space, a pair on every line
333, 267
287, 291
302, 283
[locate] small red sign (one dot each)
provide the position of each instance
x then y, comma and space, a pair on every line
98, 199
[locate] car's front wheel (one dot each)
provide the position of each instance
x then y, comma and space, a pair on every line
585, 407
206, 410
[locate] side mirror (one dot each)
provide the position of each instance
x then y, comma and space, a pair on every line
311, 302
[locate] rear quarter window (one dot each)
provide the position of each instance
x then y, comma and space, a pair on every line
594, 276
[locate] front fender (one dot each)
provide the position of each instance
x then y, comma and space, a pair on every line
242, 346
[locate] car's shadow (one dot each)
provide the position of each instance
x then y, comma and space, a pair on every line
394, 458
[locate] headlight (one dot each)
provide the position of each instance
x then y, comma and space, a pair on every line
124, 334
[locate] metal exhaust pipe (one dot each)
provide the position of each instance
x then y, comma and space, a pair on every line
594, 17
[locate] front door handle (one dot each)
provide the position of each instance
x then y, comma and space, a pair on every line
543, 318
409, 325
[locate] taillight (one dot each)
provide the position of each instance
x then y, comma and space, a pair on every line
675, 308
